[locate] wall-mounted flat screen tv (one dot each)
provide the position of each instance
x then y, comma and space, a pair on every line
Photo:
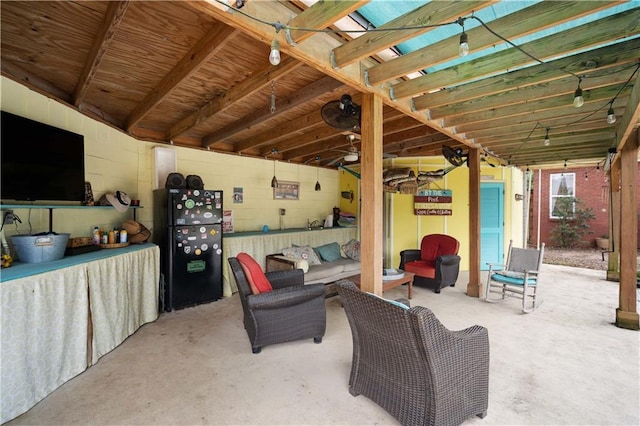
40, 162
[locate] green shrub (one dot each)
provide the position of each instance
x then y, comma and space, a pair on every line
573, 222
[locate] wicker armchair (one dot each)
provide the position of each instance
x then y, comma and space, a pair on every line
291, 311
407, 362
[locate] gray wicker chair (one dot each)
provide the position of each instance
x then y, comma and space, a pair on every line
407, 362
292, 311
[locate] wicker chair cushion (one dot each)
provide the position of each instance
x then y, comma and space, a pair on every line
510, 277
257, 279
393, 302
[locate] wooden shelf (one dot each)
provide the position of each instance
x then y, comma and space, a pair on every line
52, 207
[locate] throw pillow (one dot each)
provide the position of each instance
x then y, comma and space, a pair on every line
352, 249
247, 275
260, 281
302, 253
302, 264
329, 252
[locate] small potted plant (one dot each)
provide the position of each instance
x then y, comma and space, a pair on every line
602, 242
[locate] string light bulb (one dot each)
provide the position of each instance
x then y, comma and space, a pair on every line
463, 49
547, 141
274, 55
611, 115
578, 100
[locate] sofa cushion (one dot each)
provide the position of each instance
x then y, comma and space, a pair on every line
348, 265
352, 249
252, 270
302, 253
327, 269
329, 252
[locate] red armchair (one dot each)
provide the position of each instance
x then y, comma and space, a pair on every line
436, 264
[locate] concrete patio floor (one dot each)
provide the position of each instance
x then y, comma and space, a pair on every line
566, 363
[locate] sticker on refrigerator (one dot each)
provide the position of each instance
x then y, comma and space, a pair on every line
196, 266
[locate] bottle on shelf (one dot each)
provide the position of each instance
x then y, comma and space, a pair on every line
112, 237
96, 235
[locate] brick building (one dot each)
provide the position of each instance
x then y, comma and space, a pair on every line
589, 184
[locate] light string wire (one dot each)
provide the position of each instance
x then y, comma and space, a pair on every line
610, 102
278, 26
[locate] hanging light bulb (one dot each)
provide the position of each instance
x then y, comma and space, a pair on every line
463, 49
578, 100
274, 55
547, 141
611, 115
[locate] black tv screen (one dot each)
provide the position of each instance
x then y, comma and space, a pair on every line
40, 162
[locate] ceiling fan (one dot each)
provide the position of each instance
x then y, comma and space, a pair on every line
454, 156
352, 153
342, 114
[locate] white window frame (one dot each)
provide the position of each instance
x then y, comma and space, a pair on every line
554, 185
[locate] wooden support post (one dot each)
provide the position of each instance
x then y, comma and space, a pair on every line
371, 183
627, 314
473, 287
613, 256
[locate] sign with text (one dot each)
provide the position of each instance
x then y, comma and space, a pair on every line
433, 202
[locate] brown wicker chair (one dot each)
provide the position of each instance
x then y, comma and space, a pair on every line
407, 362
291, 311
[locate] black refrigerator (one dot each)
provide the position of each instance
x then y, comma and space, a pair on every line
188, 229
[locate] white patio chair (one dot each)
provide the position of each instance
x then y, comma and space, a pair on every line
517, 278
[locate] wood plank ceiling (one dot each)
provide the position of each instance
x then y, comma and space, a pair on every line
196, 74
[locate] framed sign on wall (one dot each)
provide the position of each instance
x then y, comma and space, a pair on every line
286, 191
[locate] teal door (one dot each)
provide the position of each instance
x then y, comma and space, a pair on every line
491, 223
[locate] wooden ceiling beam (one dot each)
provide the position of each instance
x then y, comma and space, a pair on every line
315, 51
582, 63
563, 88
300, 97
320, 16
562, 151
617, 26
282, 132
596, 95
198, 56
567, 114
321, 133
630, 121
522, 130
319, 149
245, 88
548, 157
418, 21
113, 18
531, 19
557, 138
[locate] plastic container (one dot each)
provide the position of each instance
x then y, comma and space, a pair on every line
40, 248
